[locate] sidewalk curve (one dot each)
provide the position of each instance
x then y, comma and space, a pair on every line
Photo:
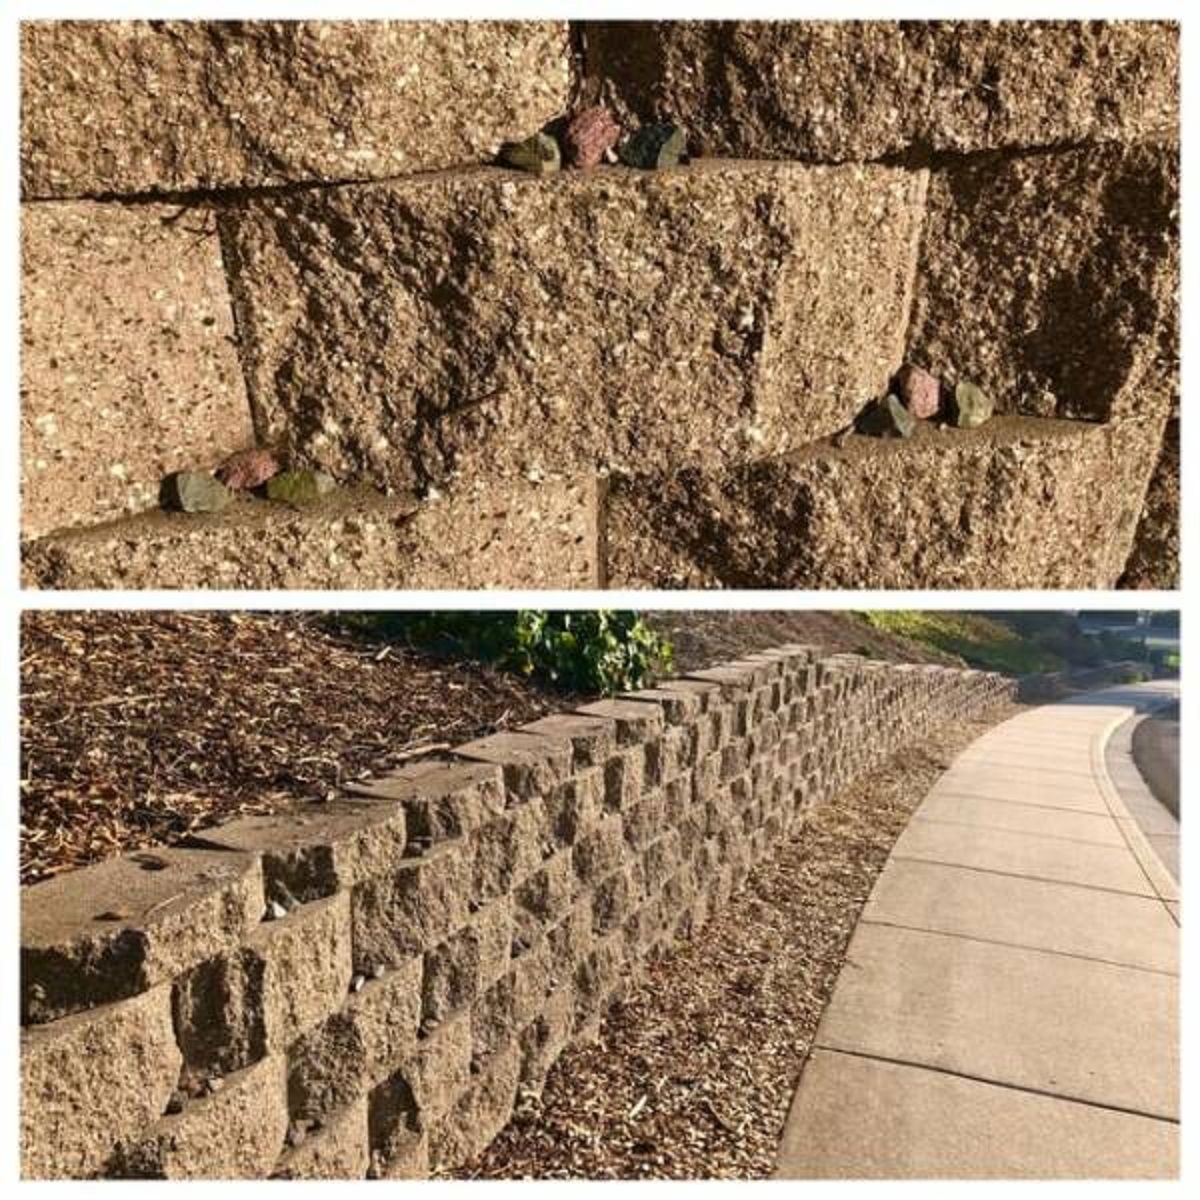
1009, 1003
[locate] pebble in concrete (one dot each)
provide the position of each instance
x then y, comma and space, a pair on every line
887, 418
654, 147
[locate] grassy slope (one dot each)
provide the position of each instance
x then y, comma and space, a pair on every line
976, 640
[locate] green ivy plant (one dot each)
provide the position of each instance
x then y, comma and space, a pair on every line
599, 650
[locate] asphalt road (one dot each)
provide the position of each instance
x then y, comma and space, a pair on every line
1156, 752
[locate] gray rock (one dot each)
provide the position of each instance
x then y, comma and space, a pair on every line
654, 147
539, 155
194, 492
970, 406
886, 418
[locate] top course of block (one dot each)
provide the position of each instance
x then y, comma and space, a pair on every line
836, 91
129, 107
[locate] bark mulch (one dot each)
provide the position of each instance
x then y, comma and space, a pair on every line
693, 1075
138, 727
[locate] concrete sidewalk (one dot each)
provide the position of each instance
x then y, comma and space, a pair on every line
1009, 1003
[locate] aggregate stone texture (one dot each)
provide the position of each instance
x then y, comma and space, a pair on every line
128, 366
833, 91
1154, 562
488, 533
496, 323
171, 106
1018, 503
1051, 280
232, 1133
93, 1078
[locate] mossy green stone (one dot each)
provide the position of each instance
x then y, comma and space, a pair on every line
194, 492
654, 147
539, 155
299, 487
970, 406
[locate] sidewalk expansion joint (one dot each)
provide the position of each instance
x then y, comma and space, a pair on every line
986, 941
1092, 887
1013, 1087
1050, 837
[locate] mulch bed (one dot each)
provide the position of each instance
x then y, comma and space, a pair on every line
693, 1075
138, 728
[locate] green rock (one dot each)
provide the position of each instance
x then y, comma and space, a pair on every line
538, 154
654, 147
970, 406
886, 418
299, 487
194, 492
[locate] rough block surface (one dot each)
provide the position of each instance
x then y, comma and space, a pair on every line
153, 106
128, 365
512, 324
90, 1079
489, 533
834, 91
1051, 280
1019, 503
122, 925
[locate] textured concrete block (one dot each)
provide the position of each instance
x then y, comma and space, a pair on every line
479, 1115
234, 1133
1155, 559
333, 1064
1052, 280
315, 850
141, 106
842, 90
418, 905
543, 898
599, 853
547, 1036
507, 850
483, 533
609, 302
533, 764
90, 1080
966, 509
441, 800
120, 926
304, 960
573, 807
338, 1150
128, 368
219, 1014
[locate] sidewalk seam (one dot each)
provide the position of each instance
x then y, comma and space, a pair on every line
968, 937
1013, 1087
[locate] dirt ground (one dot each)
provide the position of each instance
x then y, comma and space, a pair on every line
692, 1076
139, 728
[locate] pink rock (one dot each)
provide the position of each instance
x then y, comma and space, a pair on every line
247, 469
920, 391
589, 134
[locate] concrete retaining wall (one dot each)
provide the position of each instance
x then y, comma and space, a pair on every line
365, 987
287, 233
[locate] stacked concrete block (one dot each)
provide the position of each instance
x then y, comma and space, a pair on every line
368, 986
327, 266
